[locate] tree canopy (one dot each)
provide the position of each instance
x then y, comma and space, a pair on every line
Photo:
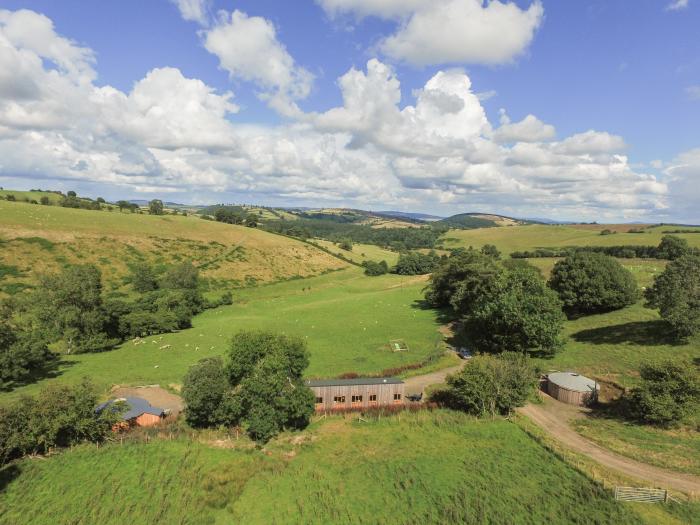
155, 207
593, 282
260, 386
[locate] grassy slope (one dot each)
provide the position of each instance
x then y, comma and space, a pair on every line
361, 252
31, 195
347, 318
518, 238
232, 254
437, 467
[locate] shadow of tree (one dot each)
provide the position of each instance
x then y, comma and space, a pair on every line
7, 475
50, 371
652, 333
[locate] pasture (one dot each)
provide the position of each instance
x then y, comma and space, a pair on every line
361, 252
429, 467
346, 318
40, 239
532, 236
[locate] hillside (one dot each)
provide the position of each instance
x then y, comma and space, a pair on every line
467, 221
39, 239
429, 467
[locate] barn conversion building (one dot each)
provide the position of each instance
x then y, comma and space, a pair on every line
139, 412
361, 392
572, 388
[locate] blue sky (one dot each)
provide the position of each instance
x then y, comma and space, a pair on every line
627, 71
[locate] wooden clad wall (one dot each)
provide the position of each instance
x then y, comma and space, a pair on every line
384, 392
568, 396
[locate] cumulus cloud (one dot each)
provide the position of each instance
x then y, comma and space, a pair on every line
194, 10
530, 129
683, 175
449, 31
248, 48
171, 133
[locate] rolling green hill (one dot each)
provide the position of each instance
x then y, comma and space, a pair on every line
40, 239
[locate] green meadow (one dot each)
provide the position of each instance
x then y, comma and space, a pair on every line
519, 238
361, 252
429, 467
347, 319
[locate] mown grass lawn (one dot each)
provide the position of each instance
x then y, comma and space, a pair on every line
431, 467
346, 318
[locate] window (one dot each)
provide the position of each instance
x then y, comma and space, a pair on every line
373, 397
319, 400
397, 397
339, 399
357, 399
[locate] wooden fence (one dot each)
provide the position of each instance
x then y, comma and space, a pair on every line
641, 495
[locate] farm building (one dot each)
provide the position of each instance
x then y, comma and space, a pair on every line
139, 412
572, 388
361, 392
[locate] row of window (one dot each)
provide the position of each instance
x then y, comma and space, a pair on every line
356, 399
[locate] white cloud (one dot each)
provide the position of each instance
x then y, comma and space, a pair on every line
380, 8
683, 175
677, 5
248, 48
449, 31
194, 10
464, 31
530, 129
693, 92
173, 134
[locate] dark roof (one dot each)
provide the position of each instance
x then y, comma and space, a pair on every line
355, 381
136, 406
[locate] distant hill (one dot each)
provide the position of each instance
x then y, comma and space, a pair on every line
468, 221
409, 215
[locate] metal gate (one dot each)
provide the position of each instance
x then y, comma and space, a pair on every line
642, 495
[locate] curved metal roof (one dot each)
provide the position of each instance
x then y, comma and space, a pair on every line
573, 381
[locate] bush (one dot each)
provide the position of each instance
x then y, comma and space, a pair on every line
373, 268
669, 392
44, 200
143, 278
672, 247
592, 282
23, 353
203, 390
676, 293
491, 385
59, 416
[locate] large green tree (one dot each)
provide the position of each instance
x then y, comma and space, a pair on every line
461, 279
676, 293
672, 247
22, 354
155, 207
520, 314
68, 307
260, 386
590, 282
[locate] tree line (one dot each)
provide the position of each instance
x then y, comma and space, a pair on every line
670, 248
68, 312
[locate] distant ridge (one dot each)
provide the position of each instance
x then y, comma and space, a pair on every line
409, 215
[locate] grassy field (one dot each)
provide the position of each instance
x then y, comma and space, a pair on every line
439, 467
54, 198
347, 319
529, 237
361, 252
39, 239
677, 449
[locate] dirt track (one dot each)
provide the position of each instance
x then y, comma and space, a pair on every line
155, 395
554, 417
417, 384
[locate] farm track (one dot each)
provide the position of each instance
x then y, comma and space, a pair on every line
554, 419
418, 384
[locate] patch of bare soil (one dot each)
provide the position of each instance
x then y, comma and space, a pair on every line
155, 395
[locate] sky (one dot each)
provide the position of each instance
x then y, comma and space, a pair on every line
586, 110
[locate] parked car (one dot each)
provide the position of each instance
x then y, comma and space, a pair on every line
414, 397
464, 353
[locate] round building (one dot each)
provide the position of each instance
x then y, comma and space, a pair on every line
572, 388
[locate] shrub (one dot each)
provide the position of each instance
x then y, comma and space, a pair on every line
672, 247
44, 200
416, 263
203, 390
592, 282
669, 392
491, 385
373, 268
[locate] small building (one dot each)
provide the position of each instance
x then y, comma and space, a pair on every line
572, 388
358, 393
139, 412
